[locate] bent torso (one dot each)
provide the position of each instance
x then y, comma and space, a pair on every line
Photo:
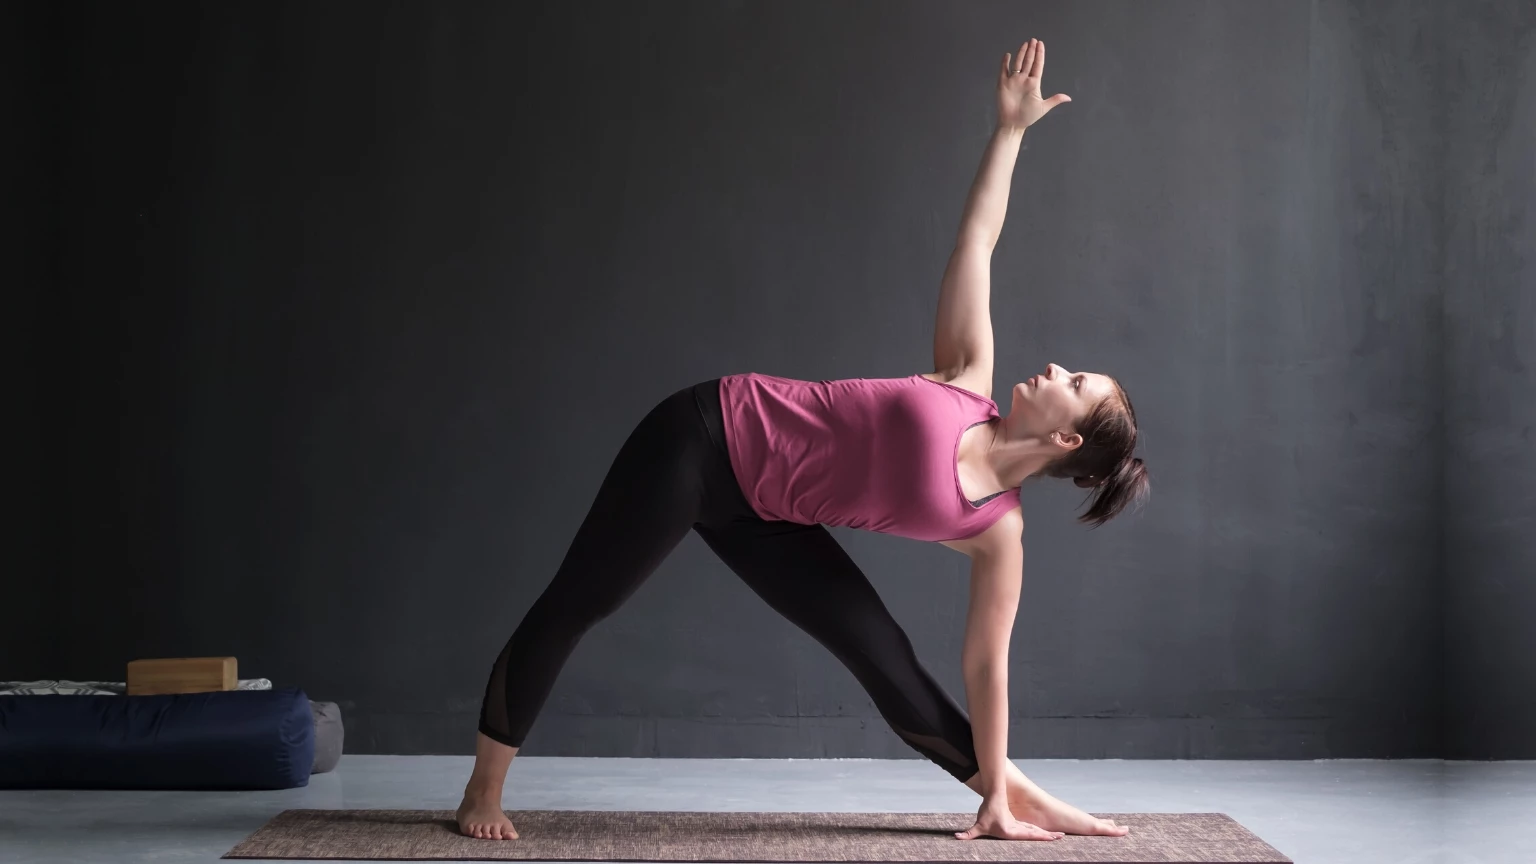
976, 482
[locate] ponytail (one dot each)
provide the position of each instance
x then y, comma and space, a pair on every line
1104, 462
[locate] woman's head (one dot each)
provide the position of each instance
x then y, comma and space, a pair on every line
1087, 421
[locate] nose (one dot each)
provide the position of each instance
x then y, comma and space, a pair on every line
1051, 369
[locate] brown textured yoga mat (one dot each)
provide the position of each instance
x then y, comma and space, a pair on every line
664, 835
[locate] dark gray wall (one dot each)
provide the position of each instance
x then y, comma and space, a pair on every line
28, 97
1490, 395
362, 300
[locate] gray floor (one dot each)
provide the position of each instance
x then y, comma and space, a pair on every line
1334, 812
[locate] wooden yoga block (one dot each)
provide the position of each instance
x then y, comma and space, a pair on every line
181, 675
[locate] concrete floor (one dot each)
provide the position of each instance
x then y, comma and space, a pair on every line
1334, 812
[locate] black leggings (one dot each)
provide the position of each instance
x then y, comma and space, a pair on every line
673, 473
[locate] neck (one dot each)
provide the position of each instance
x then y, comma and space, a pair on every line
1012, 461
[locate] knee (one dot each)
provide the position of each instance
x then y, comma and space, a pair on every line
570, 616
577, 620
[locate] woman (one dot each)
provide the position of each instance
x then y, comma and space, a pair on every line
759, 465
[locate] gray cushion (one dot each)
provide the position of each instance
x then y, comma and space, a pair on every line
328, 735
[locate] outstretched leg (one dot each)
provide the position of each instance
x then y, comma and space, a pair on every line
806, 576
650, 497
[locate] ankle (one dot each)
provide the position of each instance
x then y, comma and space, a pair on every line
1023, 788
482, 791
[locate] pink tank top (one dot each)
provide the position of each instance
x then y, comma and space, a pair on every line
873, 453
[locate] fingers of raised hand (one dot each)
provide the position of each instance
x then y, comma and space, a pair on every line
1029, 62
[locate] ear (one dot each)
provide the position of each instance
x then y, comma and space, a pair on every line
1069, 440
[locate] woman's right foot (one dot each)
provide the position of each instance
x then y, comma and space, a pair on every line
1037, 807
483, 819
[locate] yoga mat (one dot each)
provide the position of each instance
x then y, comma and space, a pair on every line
664, 835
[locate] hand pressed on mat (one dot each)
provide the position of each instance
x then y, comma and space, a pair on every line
995, 819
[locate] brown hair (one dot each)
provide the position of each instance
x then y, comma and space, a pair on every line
1104, 460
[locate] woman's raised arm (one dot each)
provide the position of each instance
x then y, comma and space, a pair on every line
962, 340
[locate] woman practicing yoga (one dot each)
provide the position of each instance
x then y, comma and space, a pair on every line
759, 465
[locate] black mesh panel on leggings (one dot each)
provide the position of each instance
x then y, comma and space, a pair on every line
673, 473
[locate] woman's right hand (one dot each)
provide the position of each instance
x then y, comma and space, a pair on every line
1018, 88
995, 819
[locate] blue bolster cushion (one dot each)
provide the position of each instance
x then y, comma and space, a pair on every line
230, 739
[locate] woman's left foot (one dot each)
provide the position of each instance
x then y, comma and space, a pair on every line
1056, 815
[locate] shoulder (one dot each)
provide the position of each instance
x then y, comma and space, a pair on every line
1002, 537
974, 379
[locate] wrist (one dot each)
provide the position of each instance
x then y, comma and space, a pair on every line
1010, 130
994, 784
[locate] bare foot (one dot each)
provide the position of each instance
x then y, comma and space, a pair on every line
1052, 814
482, 818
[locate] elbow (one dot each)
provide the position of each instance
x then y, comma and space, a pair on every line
978, 237
983, 666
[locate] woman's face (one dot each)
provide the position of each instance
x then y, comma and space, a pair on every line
1056, 400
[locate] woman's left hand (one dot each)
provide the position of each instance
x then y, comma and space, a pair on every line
996, 820
1018, 87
